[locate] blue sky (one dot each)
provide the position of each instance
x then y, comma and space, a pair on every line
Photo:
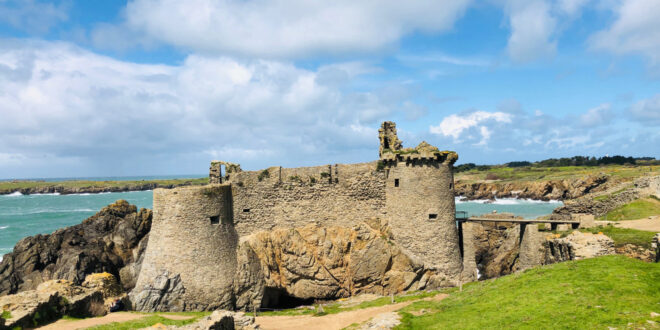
92, 88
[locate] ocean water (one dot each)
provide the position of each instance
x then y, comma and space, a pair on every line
526, 208
27, 215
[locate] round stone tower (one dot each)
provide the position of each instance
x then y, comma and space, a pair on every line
190, 260
420, 205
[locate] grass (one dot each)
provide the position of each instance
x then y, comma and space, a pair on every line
5, 315
638, 209
151, 319
11, 186
337, 307
530, 173
623, 236
609, 291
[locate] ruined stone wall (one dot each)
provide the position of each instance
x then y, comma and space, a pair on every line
421, 211
294, 197
190, 260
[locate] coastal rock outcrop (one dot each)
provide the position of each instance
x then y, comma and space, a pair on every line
50, 301
110, 241
541, 190
605, 201
577, 246
327, 263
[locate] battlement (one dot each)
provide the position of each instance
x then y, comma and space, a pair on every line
196, 230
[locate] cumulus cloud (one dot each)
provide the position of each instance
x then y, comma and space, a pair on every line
455, 125
532, 29
647, 111
285, 29
32, 16
636, 30
60, 101
597, 116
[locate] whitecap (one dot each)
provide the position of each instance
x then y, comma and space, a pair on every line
47, 194
3, 227
14, 194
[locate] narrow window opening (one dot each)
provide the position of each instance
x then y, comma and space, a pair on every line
246, 210
433, 216
396, 182
451, 185
215, 219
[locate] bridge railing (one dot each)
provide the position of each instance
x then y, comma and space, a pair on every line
461, 215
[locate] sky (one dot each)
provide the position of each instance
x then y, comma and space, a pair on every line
159, 87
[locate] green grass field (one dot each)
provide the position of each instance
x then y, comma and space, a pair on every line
11, 186
637, 209
337, 307
610, 291
530, 173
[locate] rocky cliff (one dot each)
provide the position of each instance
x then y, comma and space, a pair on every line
541, 190
110, 241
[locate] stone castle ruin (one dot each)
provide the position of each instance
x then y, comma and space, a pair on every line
197, 257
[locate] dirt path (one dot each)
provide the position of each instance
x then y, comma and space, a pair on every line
647, 224
332, 321
113, 317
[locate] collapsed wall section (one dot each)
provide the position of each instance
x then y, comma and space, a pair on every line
294, 197
190, 260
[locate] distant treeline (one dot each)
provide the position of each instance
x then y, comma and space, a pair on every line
573, 161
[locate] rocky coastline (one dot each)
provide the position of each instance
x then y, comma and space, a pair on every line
537, 190
57, 188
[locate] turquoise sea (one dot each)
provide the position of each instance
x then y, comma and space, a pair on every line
27, 215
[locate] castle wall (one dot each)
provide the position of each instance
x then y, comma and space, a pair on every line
192, 248
295, 197
421, 211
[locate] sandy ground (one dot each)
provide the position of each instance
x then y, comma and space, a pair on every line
113, 317
647, 224
332, 321
652, 224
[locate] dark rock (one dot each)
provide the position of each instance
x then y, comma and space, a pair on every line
106, 242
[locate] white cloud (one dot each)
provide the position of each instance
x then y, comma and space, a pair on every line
454, 125
32, 16
571, 7
278, 28
62, 101
597, 116
532, 29
635, 31
647, 111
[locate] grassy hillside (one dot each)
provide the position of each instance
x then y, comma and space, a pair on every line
638, 209
611, 291
530, 173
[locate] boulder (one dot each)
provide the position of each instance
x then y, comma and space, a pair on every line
50, 301
218, 320
109, 241
106, 283
325, 263
576, 246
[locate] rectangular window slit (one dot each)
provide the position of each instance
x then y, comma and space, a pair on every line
215, 219
396, 182
433, 216
246, 210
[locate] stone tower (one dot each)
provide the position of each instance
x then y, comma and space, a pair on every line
190, 260
420, 202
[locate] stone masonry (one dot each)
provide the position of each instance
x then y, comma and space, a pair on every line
191, 255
